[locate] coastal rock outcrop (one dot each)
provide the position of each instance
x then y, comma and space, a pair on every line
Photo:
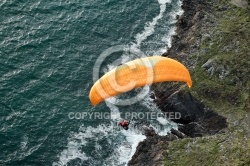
150, 151
196, 119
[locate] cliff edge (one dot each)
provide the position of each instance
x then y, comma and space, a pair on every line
212, 39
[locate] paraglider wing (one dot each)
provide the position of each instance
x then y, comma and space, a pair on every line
138, 73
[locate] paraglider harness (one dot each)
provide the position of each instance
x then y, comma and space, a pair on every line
124, 124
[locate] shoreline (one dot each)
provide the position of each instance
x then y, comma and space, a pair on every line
185, 42
212, 40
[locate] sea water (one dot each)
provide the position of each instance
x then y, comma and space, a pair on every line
48, 54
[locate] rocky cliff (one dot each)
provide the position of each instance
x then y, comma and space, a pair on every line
214, 124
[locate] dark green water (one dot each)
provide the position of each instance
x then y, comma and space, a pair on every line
47, 53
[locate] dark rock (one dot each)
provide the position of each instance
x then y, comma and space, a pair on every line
195, 121
183, 23
188, 30
183, 103
165, 54
152, 96
208, 64
141, 124
149, 132
149, 152
178, 133
195, 118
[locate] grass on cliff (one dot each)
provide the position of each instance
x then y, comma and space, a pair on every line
227, 150
227, 91
229, 46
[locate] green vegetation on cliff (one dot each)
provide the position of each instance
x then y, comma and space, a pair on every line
227, 85
221, 80
232, 149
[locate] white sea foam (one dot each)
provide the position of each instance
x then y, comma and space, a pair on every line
162, 120
162, 40
167, 38
77, 141
149, 28
123, 142
127, 148
123, 153
72, 152
162, 126
124, 145
134, 139
73, 148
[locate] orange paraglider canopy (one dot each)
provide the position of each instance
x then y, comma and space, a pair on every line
138, 73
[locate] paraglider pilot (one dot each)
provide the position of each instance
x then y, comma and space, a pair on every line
124, 124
